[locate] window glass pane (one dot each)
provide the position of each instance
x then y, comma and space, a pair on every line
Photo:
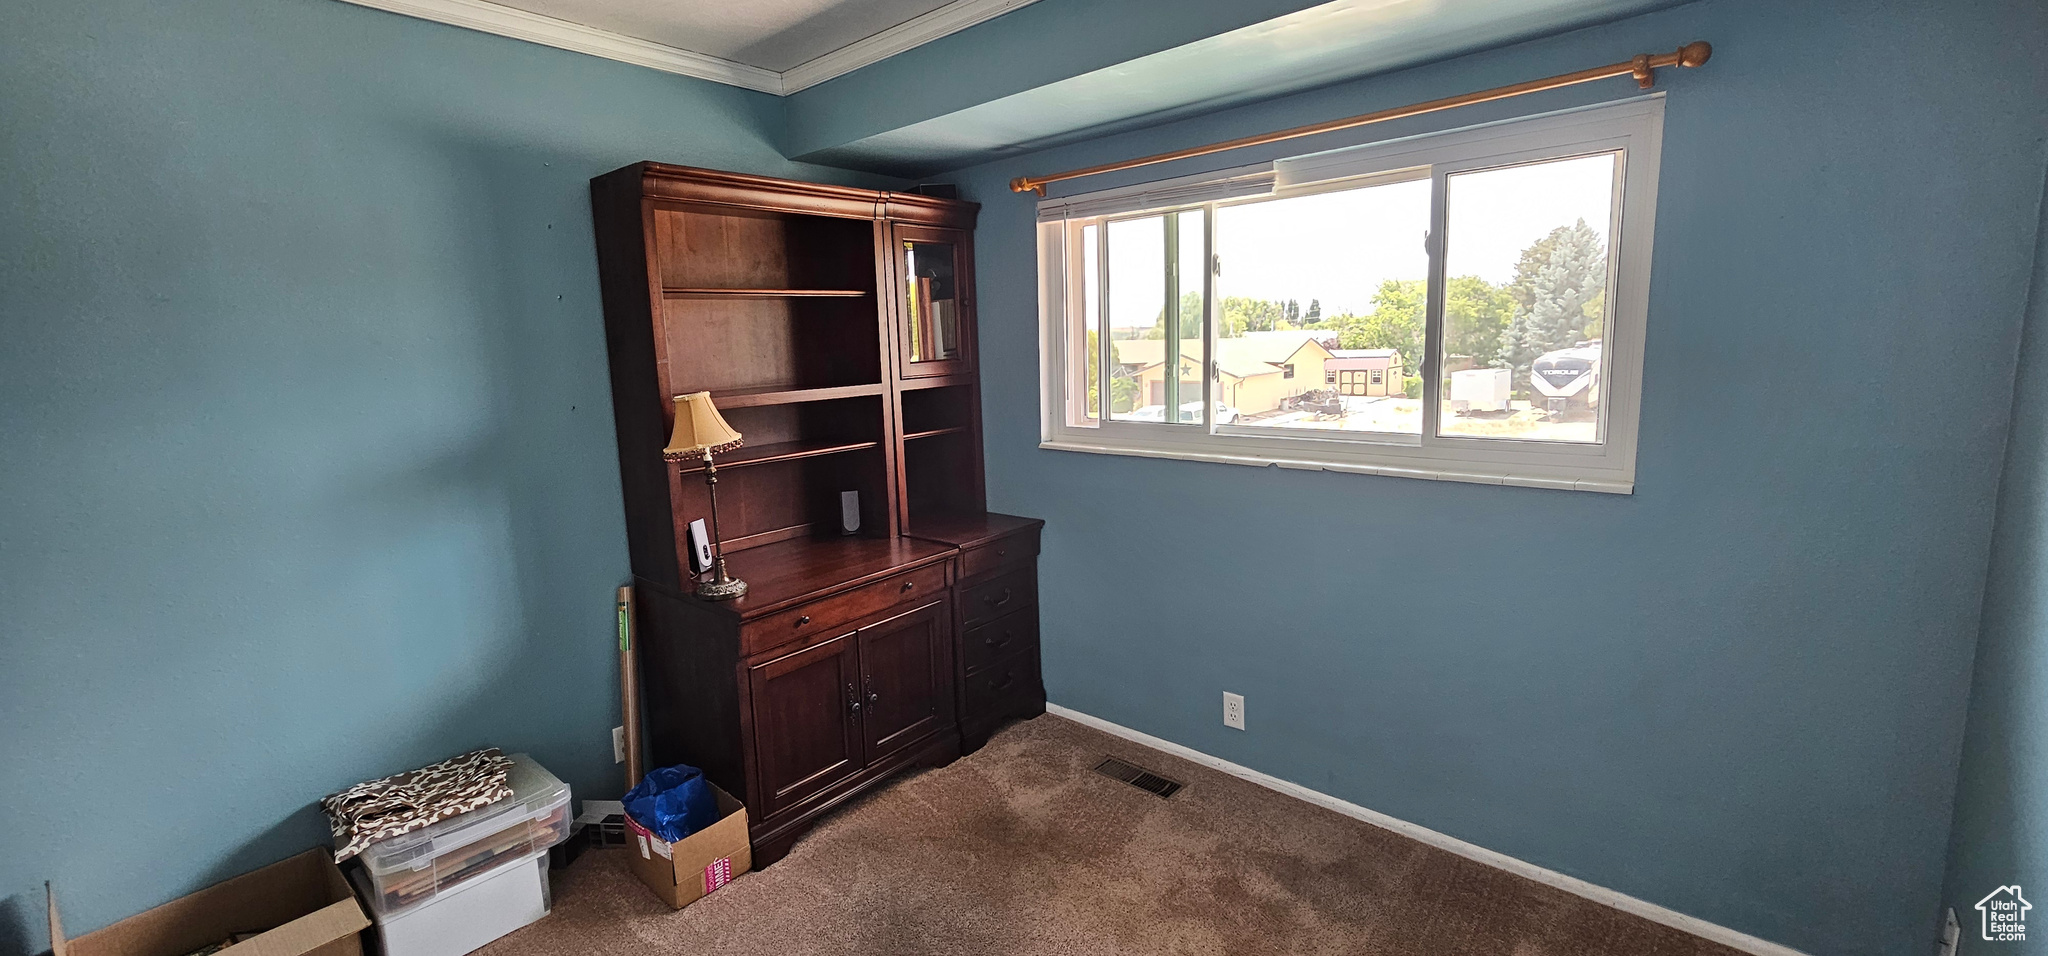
1525, 309
1137, 292
1192, 251
1084, 361
1154, 261
1333, 282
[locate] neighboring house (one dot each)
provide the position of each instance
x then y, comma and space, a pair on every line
1254, 371
1369, 372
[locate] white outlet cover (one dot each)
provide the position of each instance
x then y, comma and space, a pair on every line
619, 744
1233, 710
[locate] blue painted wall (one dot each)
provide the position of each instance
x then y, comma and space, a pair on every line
309, 472
2000, 834
1738, 693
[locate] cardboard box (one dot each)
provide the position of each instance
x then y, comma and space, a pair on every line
298, 907
682, 873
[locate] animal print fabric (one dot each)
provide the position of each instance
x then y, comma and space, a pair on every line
402, 803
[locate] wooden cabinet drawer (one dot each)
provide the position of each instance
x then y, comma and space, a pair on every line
1000, 686
1000, 553
822, 616
1010, 634
998, 596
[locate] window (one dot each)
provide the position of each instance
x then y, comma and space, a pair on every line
1476, 301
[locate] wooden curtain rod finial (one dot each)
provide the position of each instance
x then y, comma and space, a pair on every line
1640, 67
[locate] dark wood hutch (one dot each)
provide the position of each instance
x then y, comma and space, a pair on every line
834, 328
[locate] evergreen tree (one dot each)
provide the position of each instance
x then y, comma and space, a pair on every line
1552, 288
1293, 314
1315, 312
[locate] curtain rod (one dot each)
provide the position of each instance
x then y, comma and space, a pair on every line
1640, 67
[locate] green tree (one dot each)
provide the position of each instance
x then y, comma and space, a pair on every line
1190, 318
1123, 389
1552, 299
1475, 313
1093, 370
1395, 322
1314, 315
1251, 315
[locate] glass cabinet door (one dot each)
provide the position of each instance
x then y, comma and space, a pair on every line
936, 299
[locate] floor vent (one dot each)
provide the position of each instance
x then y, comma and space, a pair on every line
1138, 777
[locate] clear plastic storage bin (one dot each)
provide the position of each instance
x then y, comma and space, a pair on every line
411, 869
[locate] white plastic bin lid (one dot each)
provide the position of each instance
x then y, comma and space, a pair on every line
535, 793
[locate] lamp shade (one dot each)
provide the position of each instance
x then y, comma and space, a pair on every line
699, 429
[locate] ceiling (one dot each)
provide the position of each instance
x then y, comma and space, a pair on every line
922, 86
770, 34
1316, 46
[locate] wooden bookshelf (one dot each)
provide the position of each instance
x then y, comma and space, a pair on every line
771, 293
731, 398
746, 455
834, 329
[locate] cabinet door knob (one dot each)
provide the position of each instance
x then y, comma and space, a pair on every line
907, 585
1002, 552
873, 697
852, 700
806, 619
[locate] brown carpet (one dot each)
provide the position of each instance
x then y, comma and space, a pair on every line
1022, 849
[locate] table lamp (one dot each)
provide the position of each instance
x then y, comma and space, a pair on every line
700, 433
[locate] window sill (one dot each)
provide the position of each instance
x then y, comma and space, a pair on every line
1471, 476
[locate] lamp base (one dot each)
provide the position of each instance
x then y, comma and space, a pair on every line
721, 590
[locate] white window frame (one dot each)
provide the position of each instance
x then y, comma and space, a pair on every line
1632, 129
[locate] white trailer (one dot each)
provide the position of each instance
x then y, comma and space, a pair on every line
1481, 390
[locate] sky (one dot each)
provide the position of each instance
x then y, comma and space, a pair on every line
1339, 246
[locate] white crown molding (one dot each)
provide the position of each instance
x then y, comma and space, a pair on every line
1733, 939
575, 37
561, 34
910, 34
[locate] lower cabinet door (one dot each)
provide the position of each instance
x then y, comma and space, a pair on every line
905, 678
807, 719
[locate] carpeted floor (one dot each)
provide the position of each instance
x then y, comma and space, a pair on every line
1022, 849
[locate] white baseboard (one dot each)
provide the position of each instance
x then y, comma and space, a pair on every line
1479, 854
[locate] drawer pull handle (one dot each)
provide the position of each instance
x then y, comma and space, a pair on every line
806, 619
994, 601
1009, 677
907, 585
992, 642
1002, 552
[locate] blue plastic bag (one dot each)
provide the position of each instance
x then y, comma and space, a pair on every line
673, 802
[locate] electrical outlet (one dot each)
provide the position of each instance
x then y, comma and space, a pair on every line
619, 744
1233, 710
1951, 933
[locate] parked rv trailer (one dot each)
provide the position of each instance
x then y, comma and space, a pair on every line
1567, 380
